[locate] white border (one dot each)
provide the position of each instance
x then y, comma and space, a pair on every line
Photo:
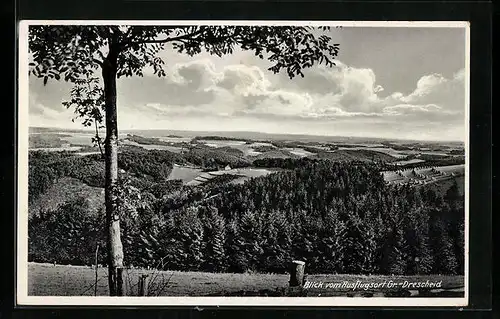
22, 297
467, 158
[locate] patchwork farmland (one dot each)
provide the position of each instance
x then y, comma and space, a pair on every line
423, 175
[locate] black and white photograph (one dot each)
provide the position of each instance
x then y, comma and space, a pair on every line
247, 163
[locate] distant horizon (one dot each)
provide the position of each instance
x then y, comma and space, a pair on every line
90, 130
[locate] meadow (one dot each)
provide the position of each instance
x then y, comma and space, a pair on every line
184, 173
63, 280
241, 175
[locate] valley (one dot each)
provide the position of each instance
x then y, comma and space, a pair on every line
236, 204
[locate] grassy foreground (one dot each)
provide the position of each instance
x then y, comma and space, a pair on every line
50, 280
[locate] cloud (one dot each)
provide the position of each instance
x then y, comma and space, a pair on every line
436, 89
200, 88
37, 108
409, 108
243, 80
194, 74
431, 112
41, 115
234, 89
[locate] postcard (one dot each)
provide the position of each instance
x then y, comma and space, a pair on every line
252, 163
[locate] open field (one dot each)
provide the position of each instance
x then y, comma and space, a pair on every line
412, 161
452, 169
184, 173
364, 155
247, 149
424, 175
174, 149
173, 139
242, 173
50, 280
57, 149
298, 151
251, 145
385, 150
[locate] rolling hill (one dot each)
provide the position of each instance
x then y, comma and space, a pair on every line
276, 153
67, 189
354, 155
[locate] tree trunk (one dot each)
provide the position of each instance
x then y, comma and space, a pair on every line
114, 243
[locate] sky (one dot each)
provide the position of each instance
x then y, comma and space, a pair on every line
395, 82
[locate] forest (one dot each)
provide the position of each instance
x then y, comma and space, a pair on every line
340, 217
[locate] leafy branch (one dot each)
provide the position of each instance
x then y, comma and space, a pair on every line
128, 197
87, 98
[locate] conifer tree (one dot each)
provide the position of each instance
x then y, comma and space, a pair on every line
168, 245
421, 258
215, 236
237, 259
284, 240
445, 261
368, 245
453, 197
270, 247
394, 251
332, 243
460, 248
251, 236
190, 231
354, 245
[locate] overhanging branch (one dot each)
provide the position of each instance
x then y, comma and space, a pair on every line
178, 38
